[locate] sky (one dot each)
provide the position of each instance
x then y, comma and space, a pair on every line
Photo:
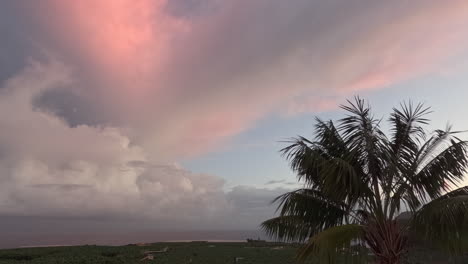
169, 114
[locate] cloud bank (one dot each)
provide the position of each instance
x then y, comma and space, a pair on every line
53, 170
118, 89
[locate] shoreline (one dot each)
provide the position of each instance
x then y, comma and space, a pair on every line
141, 243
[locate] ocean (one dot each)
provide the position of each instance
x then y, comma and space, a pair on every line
38, 239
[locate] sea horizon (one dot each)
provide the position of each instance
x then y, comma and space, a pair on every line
107, 238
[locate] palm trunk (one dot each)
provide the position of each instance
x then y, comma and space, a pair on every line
386, 240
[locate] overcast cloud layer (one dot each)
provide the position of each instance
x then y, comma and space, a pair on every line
101, 99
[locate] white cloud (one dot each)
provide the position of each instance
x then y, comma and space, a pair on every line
44, 161
53, 170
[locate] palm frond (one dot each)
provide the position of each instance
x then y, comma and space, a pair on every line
288, 228
406, 134
334, 243
304, 159
313, 207
328, 136
407, 122
418, 182
361, 133
430, 146
304, 154
445, 221
326, 165
443, 172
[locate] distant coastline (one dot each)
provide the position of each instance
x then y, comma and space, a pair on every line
45, 246
108, 238
168, 241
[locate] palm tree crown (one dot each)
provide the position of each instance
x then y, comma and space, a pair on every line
358, 180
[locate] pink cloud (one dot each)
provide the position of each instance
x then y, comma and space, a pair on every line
419, 42
122, 44
181, 86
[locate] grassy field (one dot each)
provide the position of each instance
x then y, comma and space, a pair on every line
178, 253
183, 253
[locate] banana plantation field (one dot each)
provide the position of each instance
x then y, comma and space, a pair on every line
163, 253
186, 253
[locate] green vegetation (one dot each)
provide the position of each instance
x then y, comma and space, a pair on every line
178, 253
183, 253
359, 180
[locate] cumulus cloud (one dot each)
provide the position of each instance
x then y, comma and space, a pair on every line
51, 169
151, 82
47, 164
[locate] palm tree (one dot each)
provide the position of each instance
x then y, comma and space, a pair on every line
358, 180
